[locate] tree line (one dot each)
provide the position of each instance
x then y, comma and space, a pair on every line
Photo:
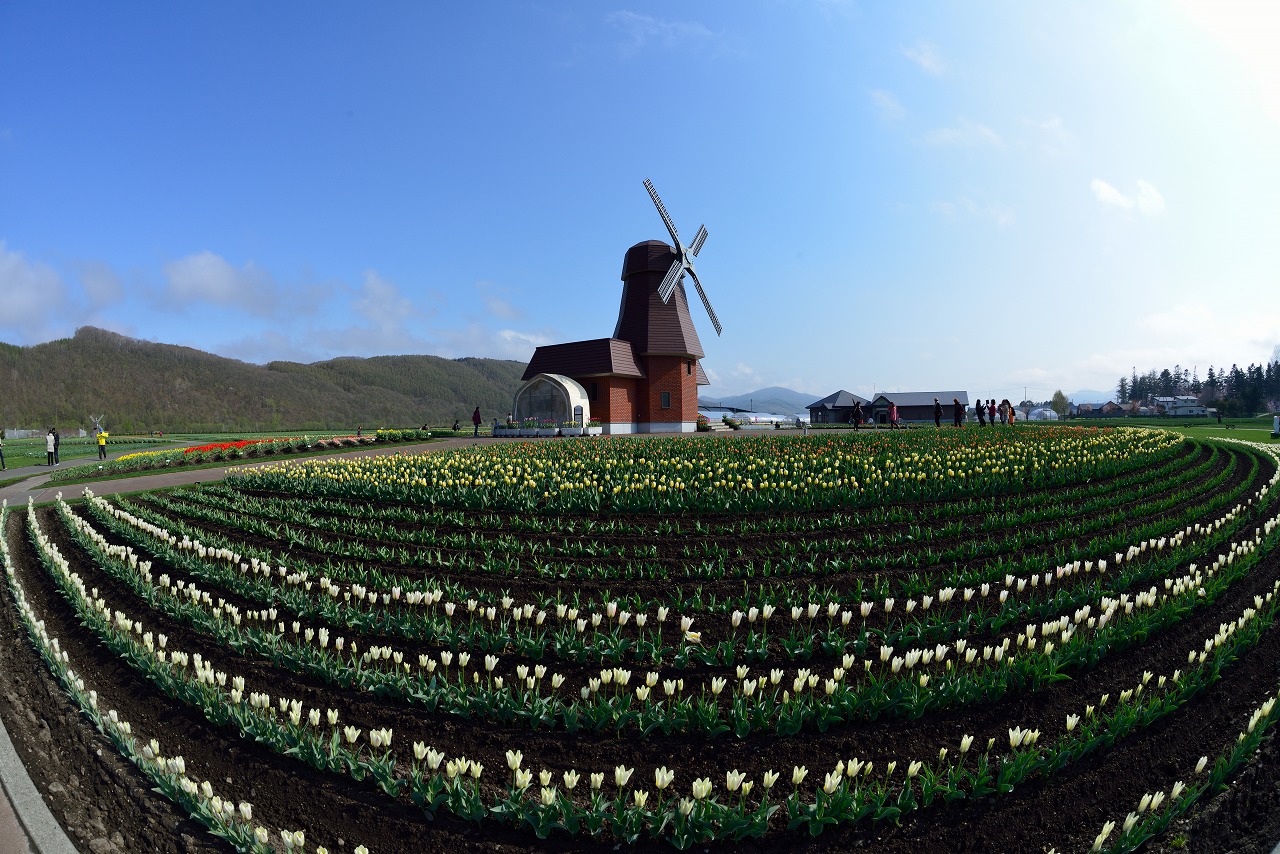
1234, 391
142, 386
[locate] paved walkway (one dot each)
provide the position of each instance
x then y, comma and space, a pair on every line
36, 483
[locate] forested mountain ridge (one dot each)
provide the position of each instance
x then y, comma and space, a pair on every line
143, 386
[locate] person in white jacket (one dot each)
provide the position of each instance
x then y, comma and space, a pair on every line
49, 446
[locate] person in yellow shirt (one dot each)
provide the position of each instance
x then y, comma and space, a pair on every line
102, 444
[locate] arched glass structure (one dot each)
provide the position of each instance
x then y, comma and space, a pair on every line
551, 397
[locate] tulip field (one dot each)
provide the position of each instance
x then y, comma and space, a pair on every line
1011, 639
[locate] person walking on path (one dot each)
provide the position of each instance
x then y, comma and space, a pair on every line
982, 421
893, 415
57, 447
957, 411
48, 446
475, 421
937, 413
102, 444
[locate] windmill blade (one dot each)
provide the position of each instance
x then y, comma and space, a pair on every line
674, 276
697, 240
662, 211
706, 303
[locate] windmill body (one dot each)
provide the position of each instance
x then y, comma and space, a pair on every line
645, 378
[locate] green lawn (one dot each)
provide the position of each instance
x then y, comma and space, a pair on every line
29, 452
1256, 429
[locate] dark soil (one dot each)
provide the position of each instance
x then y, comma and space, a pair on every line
107, 805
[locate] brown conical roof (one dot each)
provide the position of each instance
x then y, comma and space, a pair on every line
651, 325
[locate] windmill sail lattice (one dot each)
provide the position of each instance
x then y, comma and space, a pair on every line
684, 258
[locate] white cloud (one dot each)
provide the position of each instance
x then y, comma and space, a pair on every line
1053, 137
101, 284
33, 294
207, 278
891, 110
967, 132
1192, 334
381, 303
495, 302
997, 212
643, 31
1109, 195
478, 340
270, 345
1148, 201
927, 57
740, 376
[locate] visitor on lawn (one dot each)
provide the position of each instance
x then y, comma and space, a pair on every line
49, 446
475, 420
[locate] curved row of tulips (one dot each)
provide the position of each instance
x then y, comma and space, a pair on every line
1023, 523
848, 792
632, 663
883, 679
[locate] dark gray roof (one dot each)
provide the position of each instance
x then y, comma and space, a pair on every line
839, 400
598, 357
651, 325
920, 398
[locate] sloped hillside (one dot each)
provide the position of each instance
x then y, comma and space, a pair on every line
143, 386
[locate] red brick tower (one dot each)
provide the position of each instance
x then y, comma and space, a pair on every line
663, 338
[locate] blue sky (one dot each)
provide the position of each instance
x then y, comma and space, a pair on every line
900, 196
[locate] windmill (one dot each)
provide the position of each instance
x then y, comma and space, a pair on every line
97, 423
683, 262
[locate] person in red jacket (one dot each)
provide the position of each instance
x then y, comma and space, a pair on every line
475, 421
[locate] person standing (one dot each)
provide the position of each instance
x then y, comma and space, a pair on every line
102, 444
2, 464
991, 409
48, 446
57, 446
475, 421
893, 415
978, 410
857, 414
937, 413
957, 411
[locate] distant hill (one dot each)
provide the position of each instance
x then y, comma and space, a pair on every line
775, 399
143, 386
